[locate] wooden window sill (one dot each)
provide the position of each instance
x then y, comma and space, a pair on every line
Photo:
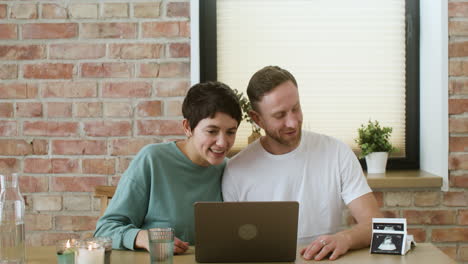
403, 179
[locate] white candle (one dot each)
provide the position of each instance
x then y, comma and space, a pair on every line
90, 255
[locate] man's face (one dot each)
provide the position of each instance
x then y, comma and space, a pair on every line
280, 115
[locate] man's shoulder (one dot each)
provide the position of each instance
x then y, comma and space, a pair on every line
316, 139
249, 153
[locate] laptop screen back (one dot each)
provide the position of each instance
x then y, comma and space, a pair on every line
246, 231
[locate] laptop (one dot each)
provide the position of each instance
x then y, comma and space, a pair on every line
246, 231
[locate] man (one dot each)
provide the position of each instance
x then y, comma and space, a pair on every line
288, 164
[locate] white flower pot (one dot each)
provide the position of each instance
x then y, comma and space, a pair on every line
376, 162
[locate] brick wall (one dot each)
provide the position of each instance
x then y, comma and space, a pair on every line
83, 86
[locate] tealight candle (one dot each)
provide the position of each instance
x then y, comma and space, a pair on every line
106, 243
66, 252
89, 252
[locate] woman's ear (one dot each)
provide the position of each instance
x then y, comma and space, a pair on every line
187, 129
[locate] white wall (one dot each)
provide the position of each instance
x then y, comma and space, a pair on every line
434, 88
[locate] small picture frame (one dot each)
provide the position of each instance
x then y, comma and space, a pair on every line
387, 243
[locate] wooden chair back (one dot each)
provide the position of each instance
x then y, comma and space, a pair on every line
105, 193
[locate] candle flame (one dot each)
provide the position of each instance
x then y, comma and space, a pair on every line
68, 244
90, 247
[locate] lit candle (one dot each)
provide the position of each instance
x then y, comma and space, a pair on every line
65, 253
89, 252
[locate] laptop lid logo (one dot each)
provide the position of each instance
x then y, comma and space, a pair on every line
247, 231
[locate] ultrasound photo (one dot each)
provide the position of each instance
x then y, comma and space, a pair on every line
384, 243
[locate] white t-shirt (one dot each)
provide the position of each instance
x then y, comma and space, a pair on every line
320, 174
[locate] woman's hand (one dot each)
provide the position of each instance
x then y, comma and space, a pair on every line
180, 246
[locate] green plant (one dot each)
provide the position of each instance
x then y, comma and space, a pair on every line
246, 107
373, 138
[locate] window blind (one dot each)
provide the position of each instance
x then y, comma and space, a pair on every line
348, 58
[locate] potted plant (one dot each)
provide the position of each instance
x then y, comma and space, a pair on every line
373, 140
246, 107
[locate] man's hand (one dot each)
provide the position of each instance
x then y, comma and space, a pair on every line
180, 246
336, 245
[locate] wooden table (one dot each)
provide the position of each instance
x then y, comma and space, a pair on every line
423, 253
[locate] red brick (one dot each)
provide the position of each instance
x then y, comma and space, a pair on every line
456, 9
3, 11
179, 50
77, 51
432, 217
75, 223
458, 106
40, 146
462, 253
76, 184
160, 127
126, 89
449, 234
161, 29
34, 165
48, 71
99, 166
92, 109
178, 9
69, 89
23, 11
125, 146
9, 165
18, 90
184, 28
426, 198
6, 110
19, 147
458, 161
54, 11
458, 125
173, 108
115, 10
450, 251
418, 233
149, 108
58, 109
47, 238
8, 128
79, 147
101, 70
65, 166
390, 213
149, 70
123, 166
458, 68
33, 184
83, 10
171, 88
458, 28
22, 52
50, 31
458, 49
136, 51
38, 222
8, 71
118, 109
174, 69
455, 199
459, 87
463, 217
107, 128
8, 31
459, 181
147, 10
115, 180
30, 109
50, 128
109, 30
458, 144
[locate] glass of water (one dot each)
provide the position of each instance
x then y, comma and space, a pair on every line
161, 244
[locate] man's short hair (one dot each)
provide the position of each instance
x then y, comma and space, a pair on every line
265, 80
204, 100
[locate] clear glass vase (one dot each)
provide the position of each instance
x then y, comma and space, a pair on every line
12, 236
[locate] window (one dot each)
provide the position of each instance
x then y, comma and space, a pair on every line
329, 45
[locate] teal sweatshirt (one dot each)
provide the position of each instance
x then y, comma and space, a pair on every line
158, 190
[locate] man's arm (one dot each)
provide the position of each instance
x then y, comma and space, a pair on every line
363, 209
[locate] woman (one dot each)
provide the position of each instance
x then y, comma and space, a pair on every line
164, 180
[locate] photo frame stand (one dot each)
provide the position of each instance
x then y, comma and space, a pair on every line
389, 236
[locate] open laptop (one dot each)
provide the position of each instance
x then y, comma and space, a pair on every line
246, 231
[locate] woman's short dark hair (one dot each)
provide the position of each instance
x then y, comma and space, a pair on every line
204, 100
265, 80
